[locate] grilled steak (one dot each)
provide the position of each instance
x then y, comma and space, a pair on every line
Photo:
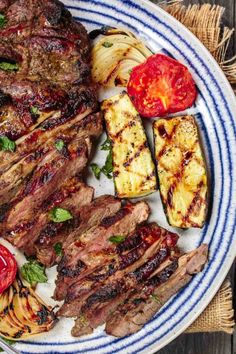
47, 177
90, 216
131, 254
94, 248
131, 316
53, 234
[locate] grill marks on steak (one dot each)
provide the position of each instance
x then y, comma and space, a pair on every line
93, 247
131, 316
46, 178
90, 216
52, 52
83, 125
129, 256
53, 233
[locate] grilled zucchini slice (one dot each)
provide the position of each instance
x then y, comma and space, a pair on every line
181, 171
23, 314
133, 167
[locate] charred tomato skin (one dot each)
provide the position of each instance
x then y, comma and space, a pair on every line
8, 268
161, 86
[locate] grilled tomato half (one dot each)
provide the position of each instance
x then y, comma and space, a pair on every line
8, 268
161, 86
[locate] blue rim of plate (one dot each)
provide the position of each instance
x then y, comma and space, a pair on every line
149, 335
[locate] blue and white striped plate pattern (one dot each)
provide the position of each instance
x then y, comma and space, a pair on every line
216, 113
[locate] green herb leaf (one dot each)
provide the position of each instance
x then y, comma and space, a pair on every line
60, 215
34, 111
34, 272
96, 170
107, 169
107, 44
6, 66
156, 299
3, 20
106, 145
117, 239
6, 144
59, 144
130, 71
8, 341
58, 249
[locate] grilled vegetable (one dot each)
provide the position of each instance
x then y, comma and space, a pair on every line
181, 171
22, 313
160, 86
8, 268
133, 168
115, 55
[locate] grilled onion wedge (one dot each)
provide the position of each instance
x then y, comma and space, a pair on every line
23, 314
133, 168
115, 55
181, 171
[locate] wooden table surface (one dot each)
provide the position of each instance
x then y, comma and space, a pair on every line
209, 343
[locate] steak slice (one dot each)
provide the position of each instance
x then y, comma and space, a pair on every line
46, 178
93, 248
41, 237
89, 216
130, 255
53, 234
142, 305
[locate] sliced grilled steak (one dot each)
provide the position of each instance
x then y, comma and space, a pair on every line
142, 305
47, 177
83, 125
44, 234
53, 234
94, 248
90, 216
130, 255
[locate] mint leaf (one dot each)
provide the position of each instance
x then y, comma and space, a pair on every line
60, 215
34, 272
58, 249
106, 145
59, 144
96, 170
3, 20
6, 144
117, 239
6, 66
107, 44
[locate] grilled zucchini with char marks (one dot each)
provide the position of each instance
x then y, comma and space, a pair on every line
181, 171
133, 168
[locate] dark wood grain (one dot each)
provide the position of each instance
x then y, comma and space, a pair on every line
209, 343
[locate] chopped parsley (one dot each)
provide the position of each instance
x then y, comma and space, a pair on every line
3, 20
156, 299
7, 66
34, 272
107, 44
59, 215
96, 170
59, 144
6, 144
34, 111
8, 341
107, 169
106, 145
117, 239
58, 249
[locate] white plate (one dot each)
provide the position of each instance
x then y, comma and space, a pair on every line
216, 111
